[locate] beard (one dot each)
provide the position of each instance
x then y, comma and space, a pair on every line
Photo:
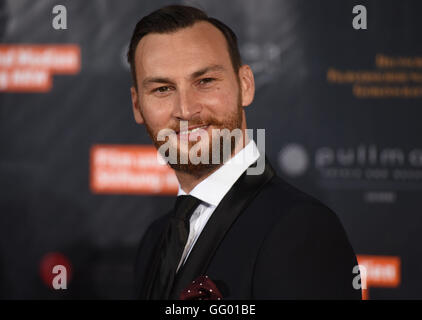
231, 122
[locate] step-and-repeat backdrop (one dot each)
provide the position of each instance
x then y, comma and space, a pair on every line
79, 181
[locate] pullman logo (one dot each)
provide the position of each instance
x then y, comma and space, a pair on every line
362, 167
293, 160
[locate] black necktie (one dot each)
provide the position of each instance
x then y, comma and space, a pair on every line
174, 241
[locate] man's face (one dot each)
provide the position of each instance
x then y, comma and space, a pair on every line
188, 76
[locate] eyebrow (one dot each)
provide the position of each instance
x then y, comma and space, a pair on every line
214, 67
196, 74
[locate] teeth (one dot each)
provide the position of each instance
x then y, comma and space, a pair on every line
192, 131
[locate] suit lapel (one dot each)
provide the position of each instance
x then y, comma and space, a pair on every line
233, 203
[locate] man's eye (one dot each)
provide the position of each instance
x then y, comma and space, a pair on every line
162, 89
206, 80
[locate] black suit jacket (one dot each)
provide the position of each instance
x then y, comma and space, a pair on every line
265, 240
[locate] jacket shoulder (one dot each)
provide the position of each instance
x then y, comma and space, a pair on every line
278, 195
305, 252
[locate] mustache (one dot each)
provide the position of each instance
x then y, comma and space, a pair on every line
197, 123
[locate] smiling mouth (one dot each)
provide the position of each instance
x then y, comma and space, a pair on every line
192, 129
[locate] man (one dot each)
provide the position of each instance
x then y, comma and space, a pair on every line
250, 236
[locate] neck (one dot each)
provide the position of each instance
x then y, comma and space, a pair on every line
188, 181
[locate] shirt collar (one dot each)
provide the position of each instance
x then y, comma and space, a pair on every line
213, 188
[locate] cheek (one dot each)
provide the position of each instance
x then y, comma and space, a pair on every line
156, 114
221, 102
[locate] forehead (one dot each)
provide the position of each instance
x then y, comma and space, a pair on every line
181, 52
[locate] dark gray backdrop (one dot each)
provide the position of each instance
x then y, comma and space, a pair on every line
45, 138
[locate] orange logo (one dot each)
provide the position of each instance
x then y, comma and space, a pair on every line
130, 169
29, 68
381, 271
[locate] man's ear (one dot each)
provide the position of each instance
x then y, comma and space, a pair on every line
135, 106
247, 84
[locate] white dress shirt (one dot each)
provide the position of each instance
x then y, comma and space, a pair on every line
213, 189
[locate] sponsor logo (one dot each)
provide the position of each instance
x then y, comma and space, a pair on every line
293, 159
378, 271
365, 167
122, 169
29, 68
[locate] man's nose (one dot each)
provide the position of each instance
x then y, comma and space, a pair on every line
187, 105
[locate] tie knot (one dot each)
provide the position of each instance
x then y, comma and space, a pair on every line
185, 206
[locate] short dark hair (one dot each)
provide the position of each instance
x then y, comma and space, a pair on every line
173, 18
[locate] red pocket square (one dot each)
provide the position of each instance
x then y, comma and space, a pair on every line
202, 288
